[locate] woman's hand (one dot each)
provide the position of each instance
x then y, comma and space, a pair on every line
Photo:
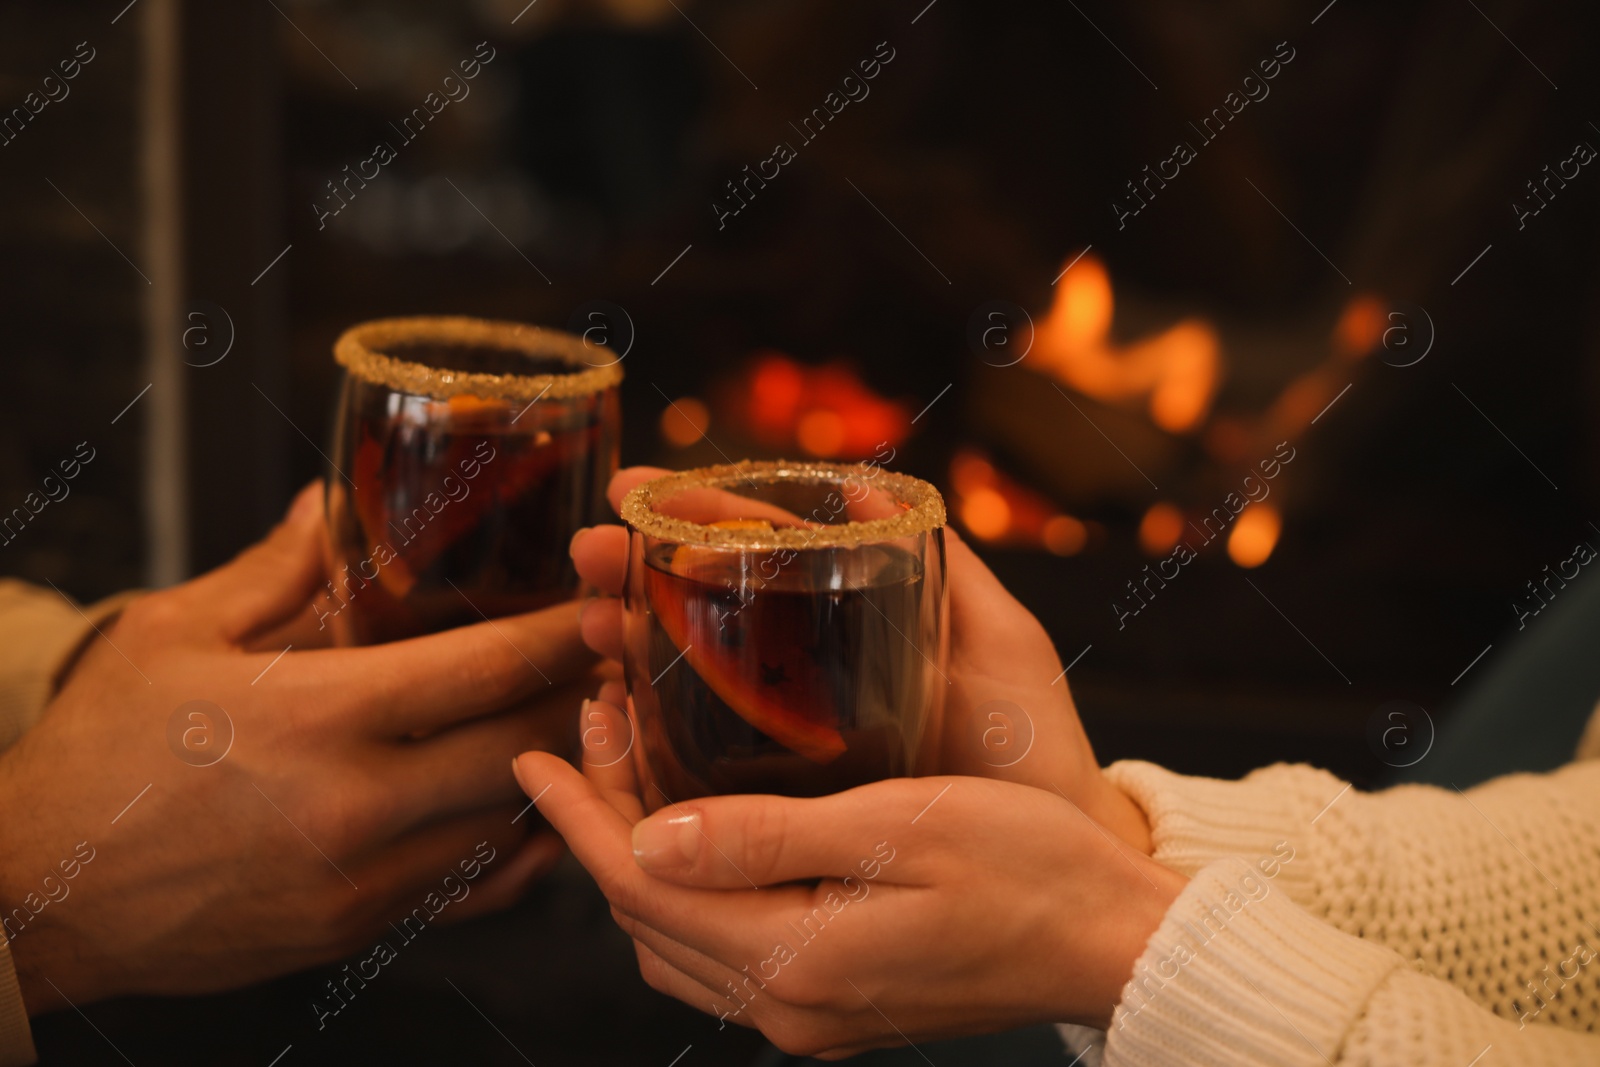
927, 907
1008, 713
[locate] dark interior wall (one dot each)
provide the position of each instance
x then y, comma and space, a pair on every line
233, 230
73, 298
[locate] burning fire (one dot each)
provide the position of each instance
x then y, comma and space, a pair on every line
1177, 370
826, 411
1175, 374
999, 510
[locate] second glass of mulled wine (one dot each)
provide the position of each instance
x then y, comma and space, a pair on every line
467, 454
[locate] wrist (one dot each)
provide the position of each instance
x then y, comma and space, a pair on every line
33, 894
1122, 815
1139, 897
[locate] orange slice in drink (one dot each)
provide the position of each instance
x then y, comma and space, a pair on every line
789, 698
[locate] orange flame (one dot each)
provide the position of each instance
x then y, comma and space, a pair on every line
1178, 370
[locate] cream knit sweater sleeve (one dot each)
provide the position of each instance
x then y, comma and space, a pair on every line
1415, 926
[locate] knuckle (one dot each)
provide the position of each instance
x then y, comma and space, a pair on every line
150, 615
625, 895
341, 820
625, 923
804, 990
654, 973
795, 1035
493, 669
763, 840
653, 969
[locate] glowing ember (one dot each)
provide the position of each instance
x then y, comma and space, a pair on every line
970, 472
1160, 529
1065, 535
1360, 327
826, 411
684, 421
996, 508
986, 513
1255, 535
821, 432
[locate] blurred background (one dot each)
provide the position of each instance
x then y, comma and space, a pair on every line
1303, 290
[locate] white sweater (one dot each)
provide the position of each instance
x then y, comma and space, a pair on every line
1418, 926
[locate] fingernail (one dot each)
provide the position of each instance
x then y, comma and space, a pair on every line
573, 544
516, 772
667, 841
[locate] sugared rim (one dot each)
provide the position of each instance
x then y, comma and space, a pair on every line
924, 506
360, 350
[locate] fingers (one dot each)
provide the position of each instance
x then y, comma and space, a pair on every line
269, 581
663, 977
607, 741
466, 847
623, 481
726, 926
303, 630
982, 611
531, 861
700, 969
427, 683
601, 555
601, 625
736, 841
596, 832
465, 767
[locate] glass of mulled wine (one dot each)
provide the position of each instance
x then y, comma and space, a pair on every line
784, 628
466, 455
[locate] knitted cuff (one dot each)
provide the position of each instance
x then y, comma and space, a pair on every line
1237, 976
16, 1039
41, 632
1265, 819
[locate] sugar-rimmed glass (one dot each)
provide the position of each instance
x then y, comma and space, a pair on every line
785, 628
467, 453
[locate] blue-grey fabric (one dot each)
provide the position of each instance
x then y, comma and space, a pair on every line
1532, 695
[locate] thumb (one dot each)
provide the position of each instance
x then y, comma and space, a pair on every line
1010, 714
741, 842
271, 579
988, 625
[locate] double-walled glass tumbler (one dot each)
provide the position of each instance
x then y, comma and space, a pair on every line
785, 628
466, 455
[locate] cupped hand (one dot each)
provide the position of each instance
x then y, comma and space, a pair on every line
356, 782
1009, 714
905, 910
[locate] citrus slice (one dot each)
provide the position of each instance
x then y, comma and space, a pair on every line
788, 698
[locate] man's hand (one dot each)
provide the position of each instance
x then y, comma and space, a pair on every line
356, 782
1008, 713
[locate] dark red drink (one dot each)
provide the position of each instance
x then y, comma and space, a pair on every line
448, 509
783, 669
